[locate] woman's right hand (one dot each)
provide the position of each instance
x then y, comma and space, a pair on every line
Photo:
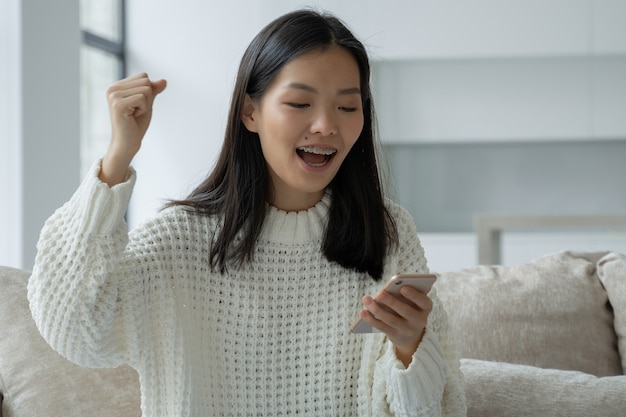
130, 110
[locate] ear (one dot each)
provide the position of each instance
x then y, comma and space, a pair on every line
248, 114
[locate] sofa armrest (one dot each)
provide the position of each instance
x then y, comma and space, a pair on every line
35, 381
508, 390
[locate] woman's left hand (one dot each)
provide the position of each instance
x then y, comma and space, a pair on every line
403, 319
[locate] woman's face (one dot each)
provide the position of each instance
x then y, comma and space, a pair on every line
307, 121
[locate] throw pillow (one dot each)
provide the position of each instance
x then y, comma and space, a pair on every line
550, 313
612, 273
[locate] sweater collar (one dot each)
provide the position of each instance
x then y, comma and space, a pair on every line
296, 226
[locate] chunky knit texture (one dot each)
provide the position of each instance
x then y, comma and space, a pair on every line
269, 338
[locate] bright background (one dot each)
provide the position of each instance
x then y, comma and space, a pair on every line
485, 106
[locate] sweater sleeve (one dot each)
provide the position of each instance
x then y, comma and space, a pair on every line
74, 290
432, 385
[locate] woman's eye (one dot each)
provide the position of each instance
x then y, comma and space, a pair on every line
298, 105
348, 109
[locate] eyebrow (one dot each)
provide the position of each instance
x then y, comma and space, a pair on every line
308, 88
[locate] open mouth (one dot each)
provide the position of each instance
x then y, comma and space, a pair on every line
315, 156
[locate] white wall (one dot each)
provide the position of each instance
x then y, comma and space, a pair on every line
196, 46
10, 159
39, 119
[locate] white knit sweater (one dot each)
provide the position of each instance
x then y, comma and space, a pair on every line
271, 338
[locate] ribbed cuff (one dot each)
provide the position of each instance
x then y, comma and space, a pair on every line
421, 385
103, 207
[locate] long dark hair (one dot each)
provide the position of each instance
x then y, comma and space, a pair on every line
360, 230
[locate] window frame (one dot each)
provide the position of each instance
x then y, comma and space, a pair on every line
115, 48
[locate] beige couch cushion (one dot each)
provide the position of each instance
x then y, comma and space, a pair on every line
612, 273
508, 390
36, 382
550, 313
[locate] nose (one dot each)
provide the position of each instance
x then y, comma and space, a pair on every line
324, 123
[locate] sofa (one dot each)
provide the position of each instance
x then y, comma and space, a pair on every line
547, 338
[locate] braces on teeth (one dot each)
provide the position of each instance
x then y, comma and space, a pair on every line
316, 150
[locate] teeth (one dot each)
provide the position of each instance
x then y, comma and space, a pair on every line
316, 150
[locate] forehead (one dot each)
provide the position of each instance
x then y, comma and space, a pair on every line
334, 66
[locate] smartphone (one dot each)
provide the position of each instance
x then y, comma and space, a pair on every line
421, 282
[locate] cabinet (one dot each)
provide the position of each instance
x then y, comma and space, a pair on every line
501, 99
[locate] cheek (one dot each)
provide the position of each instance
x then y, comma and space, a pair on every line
284, 127
355, 130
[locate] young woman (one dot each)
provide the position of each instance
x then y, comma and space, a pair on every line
239, 299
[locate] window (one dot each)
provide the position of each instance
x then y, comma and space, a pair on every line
102, 62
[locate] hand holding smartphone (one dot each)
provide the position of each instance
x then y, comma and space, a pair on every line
421, 282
